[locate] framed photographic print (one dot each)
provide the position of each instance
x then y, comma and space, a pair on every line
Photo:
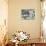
28, 14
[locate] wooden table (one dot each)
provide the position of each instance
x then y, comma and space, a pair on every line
33, 42
10, 44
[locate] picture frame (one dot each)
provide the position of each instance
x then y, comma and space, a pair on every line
28, 14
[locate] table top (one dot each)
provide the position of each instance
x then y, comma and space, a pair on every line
36, 40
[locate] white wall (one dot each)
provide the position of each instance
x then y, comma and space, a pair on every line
15, 21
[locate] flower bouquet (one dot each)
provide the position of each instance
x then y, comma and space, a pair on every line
23, 36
